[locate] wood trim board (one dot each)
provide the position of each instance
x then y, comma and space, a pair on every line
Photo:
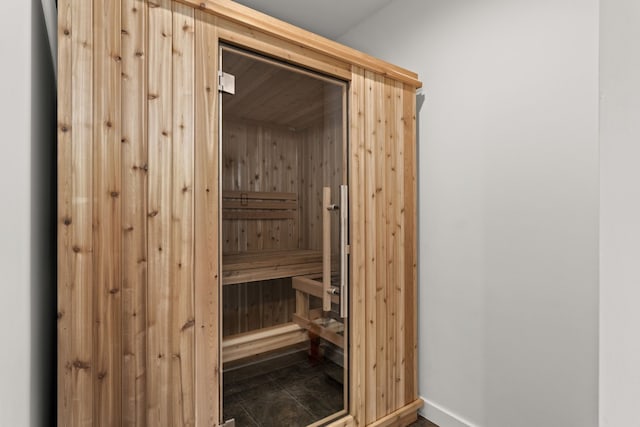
273, 27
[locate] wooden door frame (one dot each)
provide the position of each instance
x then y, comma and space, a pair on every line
235, 35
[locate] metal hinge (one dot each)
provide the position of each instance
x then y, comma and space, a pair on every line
229, 423
226, 82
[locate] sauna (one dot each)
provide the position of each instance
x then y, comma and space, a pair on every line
284, 151
236, 222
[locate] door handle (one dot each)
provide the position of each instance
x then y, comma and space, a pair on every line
327, 289
344, 251
327, 207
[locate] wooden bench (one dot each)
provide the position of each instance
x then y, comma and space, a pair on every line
271, 264
313, 320
302, 265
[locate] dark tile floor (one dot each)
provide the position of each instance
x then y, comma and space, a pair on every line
423, 423
260, 396
284, 393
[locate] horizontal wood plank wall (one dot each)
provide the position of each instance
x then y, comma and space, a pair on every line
259, 157
383, 246
133, 113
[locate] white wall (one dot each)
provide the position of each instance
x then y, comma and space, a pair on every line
620, 214
508, 176
27, 272
15, 39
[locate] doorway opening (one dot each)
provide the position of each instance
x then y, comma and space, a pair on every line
284, 228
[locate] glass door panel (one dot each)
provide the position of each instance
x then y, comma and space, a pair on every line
284, 243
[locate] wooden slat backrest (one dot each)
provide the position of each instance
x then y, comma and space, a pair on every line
259, 205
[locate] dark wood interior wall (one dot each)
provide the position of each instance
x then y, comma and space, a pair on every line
259, 157
251, 306
267, 157
321, 165
134, 113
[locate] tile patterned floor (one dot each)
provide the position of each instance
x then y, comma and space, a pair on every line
283, 393
259, 397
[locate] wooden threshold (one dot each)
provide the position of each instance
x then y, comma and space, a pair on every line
347, 421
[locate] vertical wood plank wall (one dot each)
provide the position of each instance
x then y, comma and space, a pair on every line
137, 153
267, 157
259, 157
320, 165
384, 245
138, 236
207, 282
134, 212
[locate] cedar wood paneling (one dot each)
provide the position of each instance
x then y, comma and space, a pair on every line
138, 318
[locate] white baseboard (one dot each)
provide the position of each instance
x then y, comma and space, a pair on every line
441, 416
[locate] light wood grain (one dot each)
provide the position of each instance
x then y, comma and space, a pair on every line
370, 215
347, 421
379, 141
134, 211
390, 201
400, 417
182, 237
257, 342
383, 246
160, 133
66, 258
243, 15
285, 269
107, 213
319, 330
358, 247
288, 51
400, 213
140, 315
81, 362
311, 285
206, 195
411, 245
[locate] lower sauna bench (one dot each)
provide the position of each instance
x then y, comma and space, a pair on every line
304, 267
266, 265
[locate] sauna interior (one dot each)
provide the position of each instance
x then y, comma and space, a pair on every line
283, 164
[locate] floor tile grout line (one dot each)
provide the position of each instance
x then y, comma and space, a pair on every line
300, 403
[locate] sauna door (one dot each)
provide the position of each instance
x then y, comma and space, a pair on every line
284, 240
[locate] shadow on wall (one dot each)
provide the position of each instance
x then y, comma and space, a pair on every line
43, 225
420, 99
